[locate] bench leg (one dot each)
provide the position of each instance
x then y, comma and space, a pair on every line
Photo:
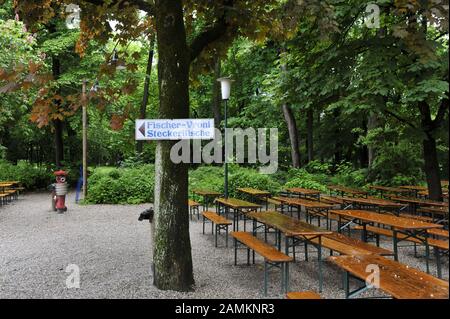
286, 277
235, 251
203, 225
319, 258
306, 251
438, 262
283, 280
346, 284
265, 278
394, 240
215, 237
248, 256
226, 236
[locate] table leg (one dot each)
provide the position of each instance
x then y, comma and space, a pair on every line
395, 242
319, 257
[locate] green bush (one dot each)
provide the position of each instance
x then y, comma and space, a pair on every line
31, 176
301, 178
346, 175
206, 177
244, 177
212, 178
122, 185
397, 164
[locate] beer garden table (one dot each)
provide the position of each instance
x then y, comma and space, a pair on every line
398, 280
206, 196
414, 189
399, 225
294, 230
385, 189
346, 190
238, 207
378, 203
317, 208
305, 192
255, 193
415, 203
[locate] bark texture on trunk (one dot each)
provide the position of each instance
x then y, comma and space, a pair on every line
172, 247
372, 123
293, 134
432, 168
310, 137
148, 73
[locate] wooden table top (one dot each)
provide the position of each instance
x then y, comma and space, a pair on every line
414, 187
419, 201
302, 202
253, 191
305, 191
347, 190
434, 210
206, 192
237, 203
372, 201
6, 184
332, 199
402, 223
388, 189
425, 193
287, 225
396, 279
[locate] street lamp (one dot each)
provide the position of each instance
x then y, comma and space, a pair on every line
225, 86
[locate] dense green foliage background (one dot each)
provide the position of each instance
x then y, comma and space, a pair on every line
360, 87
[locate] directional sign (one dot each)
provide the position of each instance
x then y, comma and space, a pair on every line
178, 129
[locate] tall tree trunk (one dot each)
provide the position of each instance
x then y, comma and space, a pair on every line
372, 123
432, 168
310, 130
337, 144
58, 125
148, 73
215, 105
172, 247
293, 134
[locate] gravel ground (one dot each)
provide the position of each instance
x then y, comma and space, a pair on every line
112, 250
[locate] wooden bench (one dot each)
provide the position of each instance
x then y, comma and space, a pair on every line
3, 198
219, 222
438, 244
396, 279
194, 208
439, 232
302, 295
345, 245
272, 257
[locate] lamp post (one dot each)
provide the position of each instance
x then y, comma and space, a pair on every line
225, 86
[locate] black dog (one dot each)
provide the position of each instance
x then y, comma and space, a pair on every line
147, 214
